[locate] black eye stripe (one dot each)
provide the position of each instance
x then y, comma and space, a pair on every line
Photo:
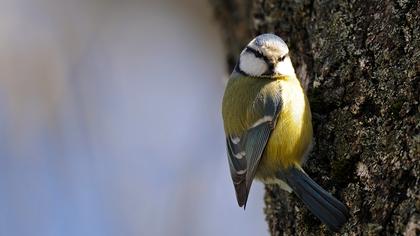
260, 55
283, 57
257, 54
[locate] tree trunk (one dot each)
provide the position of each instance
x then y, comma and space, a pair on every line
360, 61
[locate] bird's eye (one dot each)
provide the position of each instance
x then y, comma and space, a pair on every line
282, 58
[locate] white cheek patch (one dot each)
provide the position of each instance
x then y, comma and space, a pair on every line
252, 65
285, 67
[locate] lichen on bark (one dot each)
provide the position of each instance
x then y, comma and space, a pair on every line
360, 61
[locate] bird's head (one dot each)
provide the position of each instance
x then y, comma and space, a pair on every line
267, 55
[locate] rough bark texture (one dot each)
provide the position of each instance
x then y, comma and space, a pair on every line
360, 61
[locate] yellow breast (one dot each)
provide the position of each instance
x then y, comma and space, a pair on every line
292, 136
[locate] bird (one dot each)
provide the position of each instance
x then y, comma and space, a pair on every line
268, 127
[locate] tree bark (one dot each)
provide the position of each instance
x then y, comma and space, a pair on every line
360, 61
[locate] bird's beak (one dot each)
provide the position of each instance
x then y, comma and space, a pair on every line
270, 69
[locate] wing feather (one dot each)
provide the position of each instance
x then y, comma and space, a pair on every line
245, 150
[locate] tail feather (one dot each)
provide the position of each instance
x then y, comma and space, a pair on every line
332, 200
322, 204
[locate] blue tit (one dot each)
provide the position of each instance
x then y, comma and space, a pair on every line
268, 127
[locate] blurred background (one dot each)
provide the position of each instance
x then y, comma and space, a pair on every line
110, 121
